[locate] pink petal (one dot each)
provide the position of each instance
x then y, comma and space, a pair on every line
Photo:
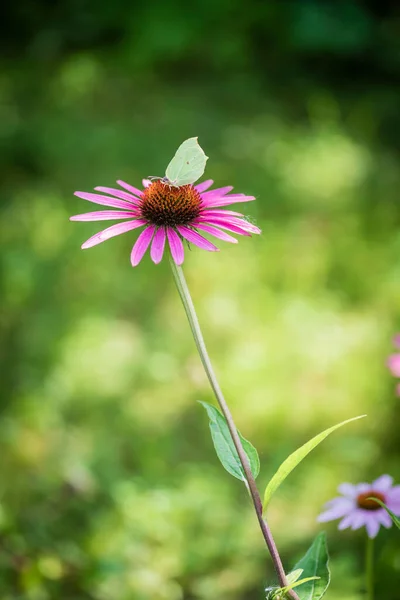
176, 246
104, 215
242, 223
130, 188
372, 524
141, 245
145, 182
196, 239
217, 193
393, 362
223, 225
118, 194
105, 200
201, 187
396, 340
233, 199
382, 484
157, 246
112, 231
212, 212
217, 233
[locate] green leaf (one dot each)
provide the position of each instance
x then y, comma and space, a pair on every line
294, 459
315, 564
391, 514
225, 447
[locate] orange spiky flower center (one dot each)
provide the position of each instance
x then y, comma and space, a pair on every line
367, 502
164, 204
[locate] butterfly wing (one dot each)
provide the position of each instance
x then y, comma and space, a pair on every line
188, 164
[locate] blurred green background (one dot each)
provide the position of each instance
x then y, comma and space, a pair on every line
110, 489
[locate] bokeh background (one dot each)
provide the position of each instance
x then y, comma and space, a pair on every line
110, 489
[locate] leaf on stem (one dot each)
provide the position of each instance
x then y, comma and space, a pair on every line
225, 447
294, 459
315, 570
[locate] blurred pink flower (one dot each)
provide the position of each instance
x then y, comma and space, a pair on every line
393, 362
356, 509
167, 213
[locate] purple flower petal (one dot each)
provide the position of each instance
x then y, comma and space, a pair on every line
217, 193
393, 362
361, 488
393, 495
201, 187
112, 231
372, 524
394, 506
212, 212
346, 522
196, 239
395, 491
105, 215
141, 245
130, 188
242, 223
157, 246
359, 518
233, 199
118, 194
349, 490
223, 225
176, 246
382, 484
384, 518
217, 233
339, 507
105, 200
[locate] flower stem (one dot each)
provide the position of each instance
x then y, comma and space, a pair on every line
205, 359
369, 568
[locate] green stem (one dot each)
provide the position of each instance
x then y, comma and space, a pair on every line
205, 359
369, 568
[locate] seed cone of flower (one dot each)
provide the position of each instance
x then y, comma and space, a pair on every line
357, 508
167, 214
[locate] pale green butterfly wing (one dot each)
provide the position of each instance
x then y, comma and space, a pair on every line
188, 164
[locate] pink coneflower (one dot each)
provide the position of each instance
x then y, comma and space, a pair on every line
356, 509
393, 362
167, 213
